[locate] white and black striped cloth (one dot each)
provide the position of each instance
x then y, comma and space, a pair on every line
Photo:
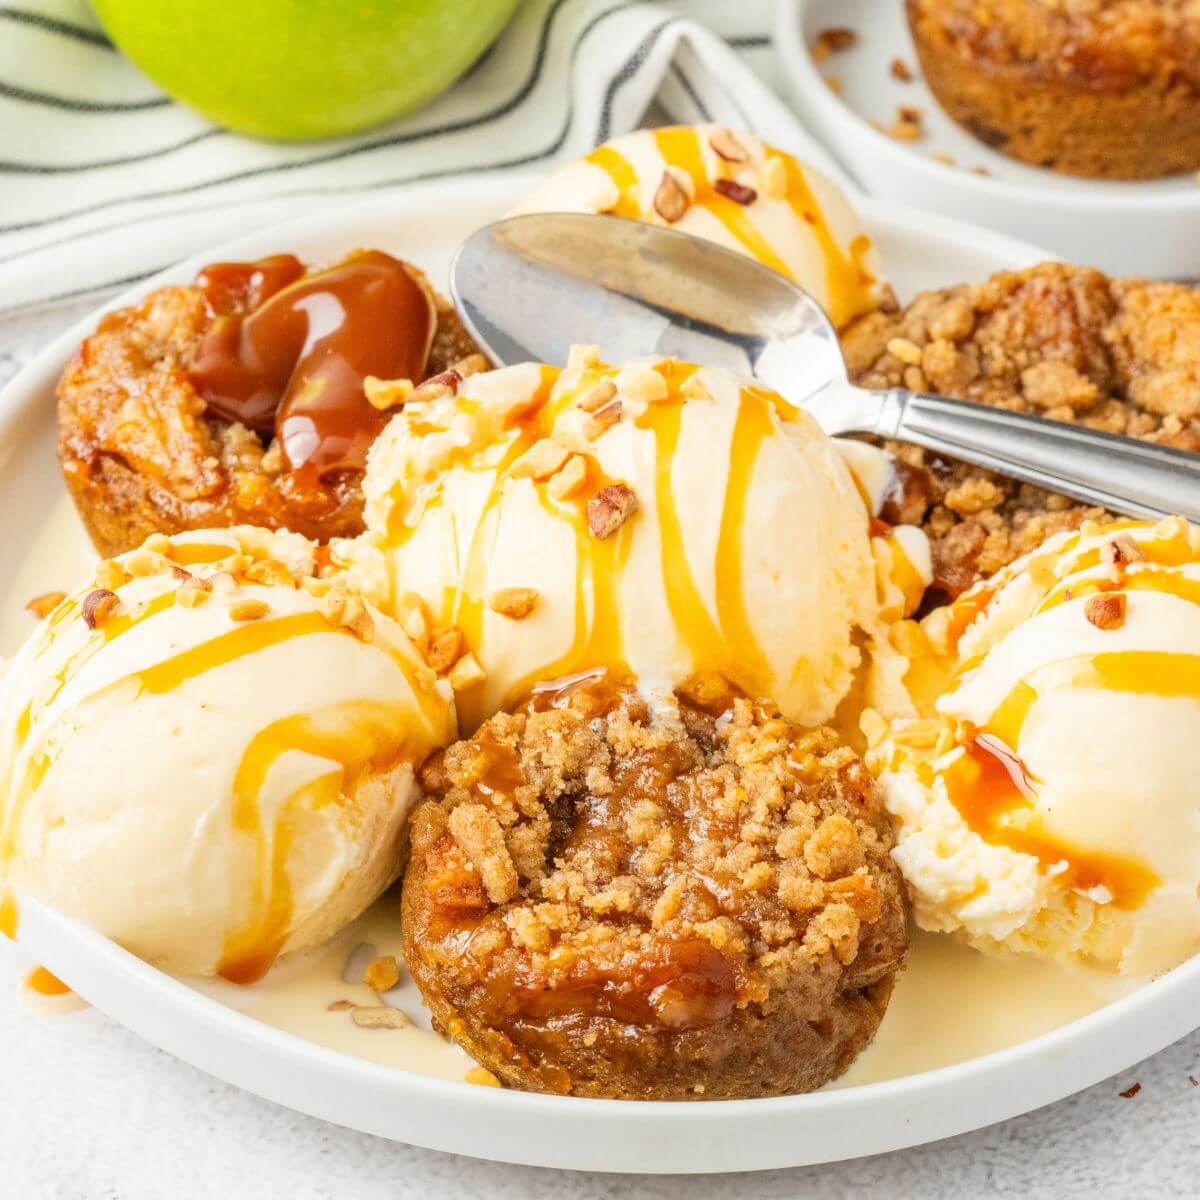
104, 180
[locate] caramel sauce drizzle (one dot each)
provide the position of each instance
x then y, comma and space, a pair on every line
847, 279
292, 361
194, 554
989, 783
42, 982
620, 171
349, 735
990, 786
902, 574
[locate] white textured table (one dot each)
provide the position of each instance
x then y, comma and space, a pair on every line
88, 1111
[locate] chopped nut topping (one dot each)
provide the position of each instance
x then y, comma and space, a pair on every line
670, 201
445, 646
383, 974
773, 177
905, 131
466, 673
340, 1006
416, 626
267, 571
45, 604
473, 364
384, 394
610, 508
193, 592
356, 618
693, 388
540, 461
569, 480
583, 357
598, 422
482, 1077
515, 603
1107, 610
223, 584
379, 1016
643, 384
98, 606
316, 587
599, 396
425, 679
110, 574
901, 70
834, 84
143, 561
248, 610
445, 384
833, 41
906, 351
739, 193
1122, 549
909, 112
940, 156
726, 146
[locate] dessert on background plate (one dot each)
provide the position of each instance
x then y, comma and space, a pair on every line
1050, 805
1103, 88
210, 753
239, 399
608, 900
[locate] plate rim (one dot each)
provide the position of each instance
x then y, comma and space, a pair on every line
603, 1129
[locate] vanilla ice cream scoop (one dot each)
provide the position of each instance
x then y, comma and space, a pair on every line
663, 521
1052, 803
209, 754
734, 190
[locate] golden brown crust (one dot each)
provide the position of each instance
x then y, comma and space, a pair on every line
1064, 342
607, 904
1102, 88
140, 454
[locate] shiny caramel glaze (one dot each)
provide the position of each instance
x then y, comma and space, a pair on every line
143, 452
292, 361
605, 903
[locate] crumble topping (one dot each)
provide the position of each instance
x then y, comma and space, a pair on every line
1063, 342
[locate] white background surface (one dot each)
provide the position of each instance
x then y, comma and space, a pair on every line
88, 1110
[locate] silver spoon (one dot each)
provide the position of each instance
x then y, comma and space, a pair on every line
529, 287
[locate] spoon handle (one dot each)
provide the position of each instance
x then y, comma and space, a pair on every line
1118, 473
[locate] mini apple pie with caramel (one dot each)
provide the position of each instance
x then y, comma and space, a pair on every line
246, 397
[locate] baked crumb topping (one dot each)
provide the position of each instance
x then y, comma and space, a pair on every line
1063, 342
584, 861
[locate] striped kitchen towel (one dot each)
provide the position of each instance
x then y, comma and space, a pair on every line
104, 180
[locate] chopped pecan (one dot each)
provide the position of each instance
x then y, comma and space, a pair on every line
610, 508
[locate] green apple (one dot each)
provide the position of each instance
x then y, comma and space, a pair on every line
303, 68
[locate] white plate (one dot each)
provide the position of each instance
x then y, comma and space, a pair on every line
425, 224
1123, 228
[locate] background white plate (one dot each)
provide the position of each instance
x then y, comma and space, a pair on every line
425, 224
1123, 228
